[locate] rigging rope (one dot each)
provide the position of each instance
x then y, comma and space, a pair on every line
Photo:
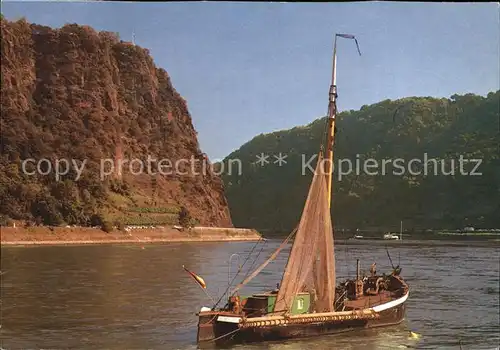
255, 260
261, 267
229, 286
346, 258
224, 335
387, 251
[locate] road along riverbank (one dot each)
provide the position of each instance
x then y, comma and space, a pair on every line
44, 235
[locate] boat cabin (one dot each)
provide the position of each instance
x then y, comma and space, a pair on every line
261, 304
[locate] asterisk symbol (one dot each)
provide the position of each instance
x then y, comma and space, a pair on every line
262, 159
280, 159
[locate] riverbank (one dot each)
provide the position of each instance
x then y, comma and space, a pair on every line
132, 234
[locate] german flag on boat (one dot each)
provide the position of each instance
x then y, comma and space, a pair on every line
197, 278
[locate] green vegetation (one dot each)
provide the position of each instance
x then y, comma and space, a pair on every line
75, 94
5, 221
107, 226
148, 220
160, 210
119, 225
185, 219
272, 197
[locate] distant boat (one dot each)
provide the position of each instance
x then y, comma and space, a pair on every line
391, 236
358, 237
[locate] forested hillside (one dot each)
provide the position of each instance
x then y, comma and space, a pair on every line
272, 196
77, 94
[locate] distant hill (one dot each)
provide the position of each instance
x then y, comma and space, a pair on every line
76, 93
272, 197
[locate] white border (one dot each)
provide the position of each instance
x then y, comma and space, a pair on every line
390, 304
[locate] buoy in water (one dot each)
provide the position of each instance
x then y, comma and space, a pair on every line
414, 335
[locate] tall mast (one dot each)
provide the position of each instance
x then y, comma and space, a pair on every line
332, 113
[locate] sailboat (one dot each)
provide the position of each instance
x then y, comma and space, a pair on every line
393, 236
308, 302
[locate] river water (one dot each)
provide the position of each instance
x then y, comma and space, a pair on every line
139, 297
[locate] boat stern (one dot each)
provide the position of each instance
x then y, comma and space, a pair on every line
206, 325
215, 324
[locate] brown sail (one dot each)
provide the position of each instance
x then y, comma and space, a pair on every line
311, 263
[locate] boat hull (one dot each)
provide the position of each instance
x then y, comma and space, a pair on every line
212, 331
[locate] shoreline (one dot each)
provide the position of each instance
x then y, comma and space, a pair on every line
61, 236
127, 241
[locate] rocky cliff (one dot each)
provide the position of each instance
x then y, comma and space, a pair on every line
90, 102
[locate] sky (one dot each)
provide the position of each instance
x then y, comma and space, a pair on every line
252, 68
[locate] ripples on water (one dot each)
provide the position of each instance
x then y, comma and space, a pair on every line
130, 297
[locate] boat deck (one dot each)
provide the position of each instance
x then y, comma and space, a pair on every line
367, 301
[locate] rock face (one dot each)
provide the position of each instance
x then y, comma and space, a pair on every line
77, 94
